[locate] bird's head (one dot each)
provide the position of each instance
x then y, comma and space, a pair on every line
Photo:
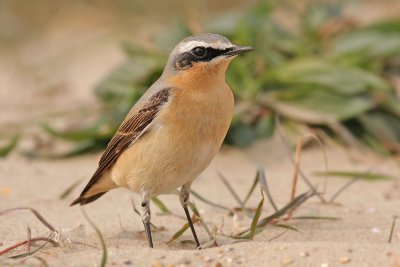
203, 54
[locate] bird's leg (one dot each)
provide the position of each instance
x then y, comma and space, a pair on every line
184, 198
146, 217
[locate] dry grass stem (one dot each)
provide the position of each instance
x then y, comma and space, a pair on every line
392, 228
36, 213
264, 185
289, 151
32, 240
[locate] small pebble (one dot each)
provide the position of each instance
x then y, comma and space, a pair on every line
344, 259
218, 264
229, 260
375, 230
228, 249
304, 254
207, 259
184, 261
287, 261
371, 210
325, 264
128, 262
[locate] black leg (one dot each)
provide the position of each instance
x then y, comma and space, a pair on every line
191, 226
148, 233
184, 198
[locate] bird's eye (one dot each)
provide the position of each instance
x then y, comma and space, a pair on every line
199, 51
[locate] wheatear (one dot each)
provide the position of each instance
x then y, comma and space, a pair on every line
174, 131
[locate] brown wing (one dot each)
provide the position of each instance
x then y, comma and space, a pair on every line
127, 133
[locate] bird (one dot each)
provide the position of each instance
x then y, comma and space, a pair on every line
174, 130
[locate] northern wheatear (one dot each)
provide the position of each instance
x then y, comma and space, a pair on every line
174, 131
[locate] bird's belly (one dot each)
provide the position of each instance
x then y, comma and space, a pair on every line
168, 156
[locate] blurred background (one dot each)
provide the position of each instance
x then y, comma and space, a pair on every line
69, 71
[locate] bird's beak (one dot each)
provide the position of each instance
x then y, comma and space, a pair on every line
236, 50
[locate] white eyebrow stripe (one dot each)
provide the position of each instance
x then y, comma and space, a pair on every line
192, 44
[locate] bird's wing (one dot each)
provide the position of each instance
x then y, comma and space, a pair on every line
129, 131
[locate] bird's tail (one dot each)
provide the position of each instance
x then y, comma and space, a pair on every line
86, 200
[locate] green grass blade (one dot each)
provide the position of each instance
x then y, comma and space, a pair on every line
193, 207
256, 218
253, 186
296, 202
103, 261
4, 151
328, 218
182, 230
201, 198
368, 176
69, 189
78, 135
287, 226
81, 148
160, 205
23, 255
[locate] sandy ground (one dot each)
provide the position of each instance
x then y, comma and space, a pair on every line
359, 238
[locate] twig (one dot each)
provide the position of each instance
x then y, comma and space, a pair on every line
32, 240
264, 185
213, 239
277, 236
355, 178
28, 244
392, 228
288, 150
342, 189
49, 239
201, 198
318, 138
230, 189
299, 147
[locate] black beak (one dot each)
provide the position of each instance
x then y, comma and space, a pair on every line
237, 50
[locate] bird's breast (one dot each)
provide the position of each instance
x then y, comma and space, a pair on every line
181, 142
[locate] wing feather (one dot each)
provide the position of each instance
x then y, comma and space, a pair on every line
129, 131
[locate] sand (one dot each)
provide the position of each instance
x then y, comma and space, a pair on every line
359, 238
365, 210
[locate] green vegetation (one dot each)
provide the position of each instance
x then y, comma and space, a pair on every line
327, 74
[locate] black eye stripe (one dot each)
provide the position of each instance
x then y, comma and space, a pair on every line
186, 59
213, 53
